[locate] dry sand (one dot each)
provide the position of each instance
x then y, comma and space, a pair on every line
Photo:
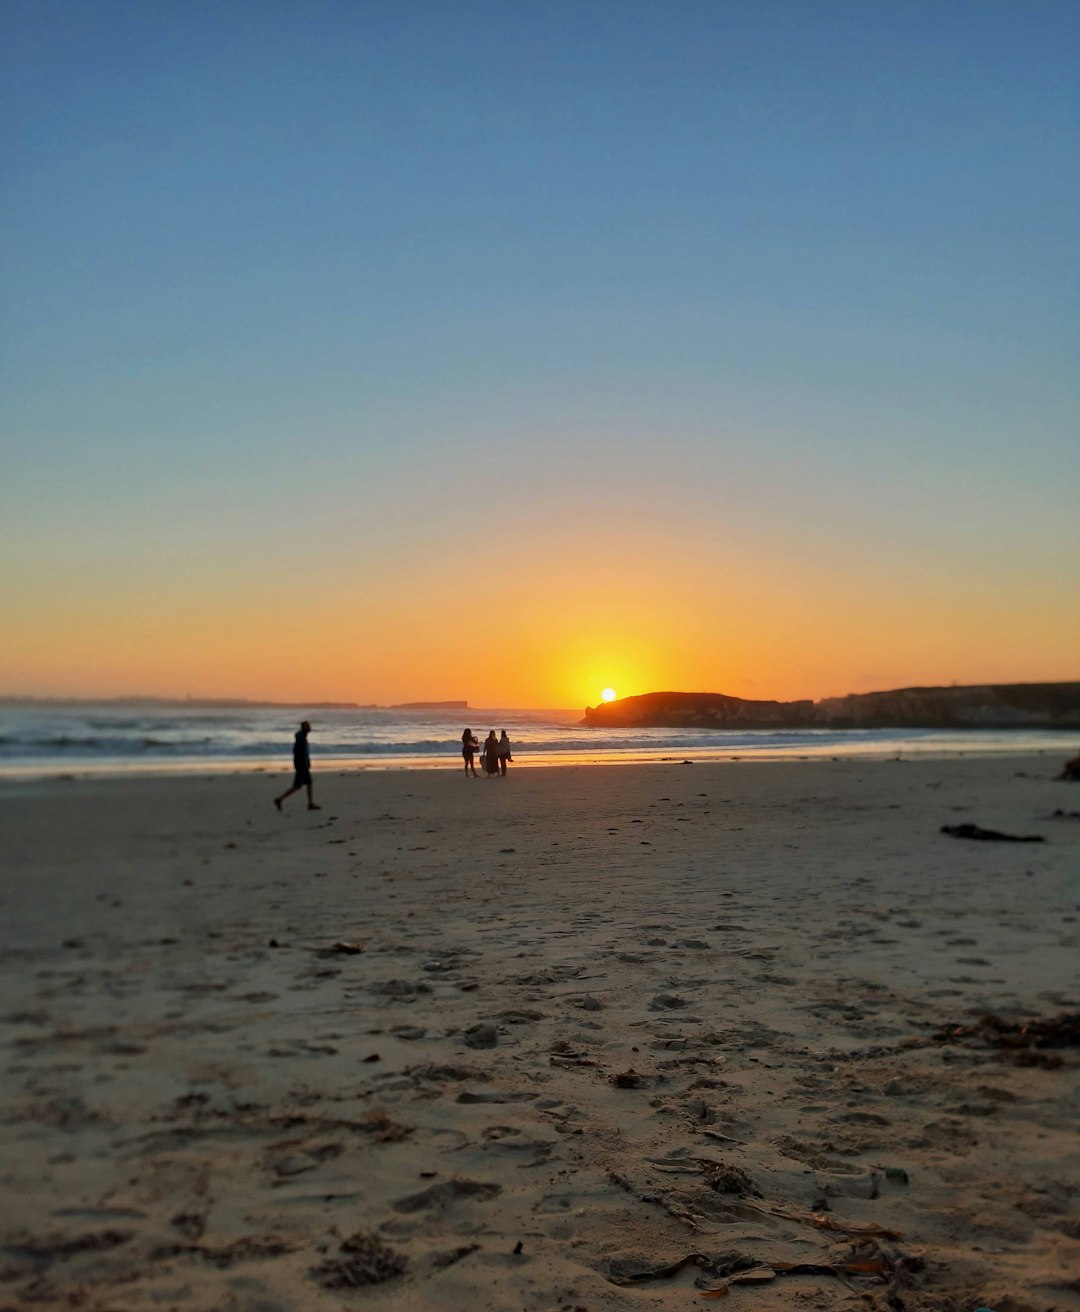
208, 1109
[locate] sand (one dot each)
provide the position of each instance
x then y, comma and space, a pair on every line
209, 1107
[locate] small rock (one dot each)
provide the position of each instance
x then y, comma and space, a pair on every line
629, 1079
666, 1002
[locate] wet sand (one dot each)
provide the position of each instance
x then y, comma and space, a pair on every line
605, 1018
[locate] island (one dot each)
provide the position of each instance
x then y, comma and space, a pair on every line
980, 706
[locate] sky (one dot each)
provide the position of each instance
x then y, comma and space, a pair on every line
382, 351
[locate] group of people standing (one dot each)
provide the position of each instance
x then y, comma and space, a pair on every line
493, 756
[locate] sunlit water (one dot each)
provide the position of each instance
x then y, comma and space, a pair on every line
46, 740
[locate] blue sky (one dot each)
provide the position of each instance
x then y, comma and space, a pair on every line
806, 267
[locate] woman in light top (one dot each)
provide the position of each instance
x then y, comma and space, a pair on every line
504, 752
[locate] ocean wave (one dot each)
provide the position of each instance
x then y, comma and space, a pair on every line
64, 738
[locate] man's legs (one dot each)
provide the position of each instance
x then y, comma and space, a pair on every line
311, 799
287, 793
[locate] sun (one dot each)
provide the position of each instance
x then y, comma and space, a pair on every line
608, 695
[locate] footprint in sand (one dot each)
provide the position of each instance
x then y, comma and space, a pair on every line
439, 1197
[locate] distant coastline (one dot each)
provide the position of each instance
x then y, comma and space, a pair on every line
195, 703
230, 704
979, 706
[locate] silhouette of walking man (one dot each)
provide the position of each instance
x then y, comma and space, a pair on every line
301, 759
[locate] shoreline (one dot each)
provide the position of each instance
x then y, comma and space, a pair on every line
22, 772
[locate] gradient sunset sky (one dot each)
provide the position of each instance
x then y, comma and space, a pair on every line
384, 351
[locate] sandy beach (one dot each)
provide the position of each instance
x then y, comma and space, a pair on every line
606, 1019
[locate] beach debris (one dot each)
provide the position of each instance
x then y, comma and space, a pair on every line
372, 1056
989, 835
519, 1248
738, 1269
727, 1179
759, 1275
481, 1036
896, 1175
343, 948
1026, 1039
366, 1261
858, 1229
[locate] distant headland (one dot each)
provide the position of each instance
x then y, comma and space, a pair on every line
981, 706
430, 706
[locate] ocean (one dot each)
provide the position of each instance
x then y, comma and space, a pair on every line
46, 739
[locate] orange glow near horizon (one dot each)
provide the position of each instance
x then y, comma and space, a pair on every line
562, 611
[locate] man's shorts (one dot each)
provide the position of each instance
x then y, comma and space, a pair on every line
302, 778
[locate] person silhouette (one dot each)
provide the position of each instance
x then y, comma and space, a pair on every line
301, 769
491, 754
504, 752
469, 744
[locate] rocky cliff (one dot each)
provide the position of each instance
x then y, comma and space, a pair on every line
697, 710
990, 706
